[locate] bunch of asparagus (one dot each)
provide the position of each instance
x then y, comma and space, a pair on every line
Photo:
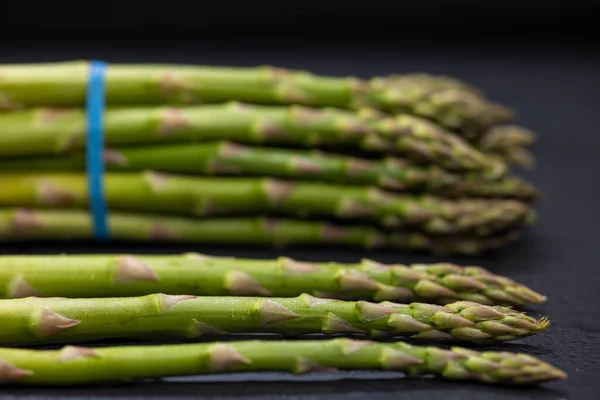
66, 298
412, 161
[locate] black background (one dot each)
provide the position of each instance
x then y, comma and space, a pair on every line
542, 58
196, 19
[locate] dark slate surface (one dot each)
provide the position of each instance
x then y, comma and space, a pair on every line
555, 88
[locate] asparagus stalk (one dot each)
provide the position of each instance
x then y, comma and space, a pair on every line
158, 192
160, 316
223, 158
84, 276
80, 365
63, 84
52, 131
18, 224
27, 224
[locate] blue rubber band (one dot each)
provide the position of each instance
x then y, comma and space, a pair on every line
95, 148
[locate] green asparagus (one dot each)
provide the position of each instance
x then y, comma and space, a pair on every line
201, 196
64, 84
160, 316
506, 136
511, 187
80, 365
469, 245
442, 82
60, 131
518, 156
222, 158
84, 276
450, 102
18, 224
509, 143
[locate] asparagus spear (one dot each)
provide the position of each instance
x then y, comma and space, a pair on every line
59, 131
469, 245
511, 187
441, 82
23, 224
157, 192
80, 365
223, 158
83, 276
159, 316
506, 136
509, 143
506, 142
63, 84
518, 156
450, 102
